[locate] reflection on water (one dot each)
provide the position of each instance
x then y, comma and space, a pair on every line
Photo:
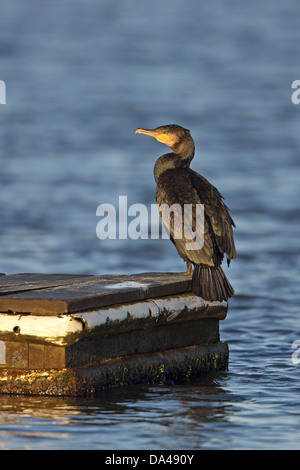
214, 412
153, 415
81, 77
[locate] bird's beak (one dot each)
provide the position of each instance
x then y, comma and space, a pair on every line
146, 131
156, 133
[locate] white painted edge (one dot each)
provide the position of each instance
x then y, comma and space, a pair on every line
143, 309
56, 329
191, 302
49, 328
151, 308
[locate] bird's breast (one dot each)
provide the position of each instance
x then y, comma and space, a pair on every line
175, 187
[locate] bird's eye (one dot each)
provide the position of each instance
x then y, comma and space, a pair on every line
164, 132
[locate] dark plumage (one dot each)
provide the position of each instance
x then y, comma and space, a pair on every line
178, 184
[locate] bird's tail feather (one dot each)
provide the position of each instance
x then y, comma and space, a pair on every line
210, 283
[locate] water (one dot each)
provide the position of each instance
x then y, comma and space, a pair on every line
80, 77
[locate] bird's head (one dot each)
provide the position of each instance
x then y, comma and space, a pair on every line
172, 135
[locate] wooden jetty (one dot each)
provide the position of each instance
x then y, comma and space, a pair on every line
74, 335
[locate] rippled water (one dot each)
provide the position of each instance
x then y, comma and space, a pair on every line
80, 77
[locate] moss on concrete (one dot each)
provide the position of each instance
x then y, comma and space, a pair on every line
166, 367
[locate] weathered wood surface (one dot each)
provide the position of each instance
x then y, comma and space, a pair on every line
52, 294
63, 330
64, 334
24, 282
24, 352
93, 349
25, 355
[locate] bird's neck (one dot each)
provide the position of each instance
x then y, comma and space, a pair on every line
185, 150
180, 158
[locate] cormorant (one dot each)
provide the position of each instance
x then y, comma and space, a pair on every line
178, 184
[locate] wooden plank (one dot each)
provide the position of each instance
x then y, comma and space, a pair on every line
94, 292
55, 329
165, 336
64, 330
14, 283
16, 355
24, 355
41, 356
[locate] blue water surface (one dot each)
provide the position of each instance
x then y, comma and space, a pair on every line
80, 77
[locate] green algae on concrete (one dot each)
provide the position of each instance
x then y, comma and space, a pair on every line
166, 367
